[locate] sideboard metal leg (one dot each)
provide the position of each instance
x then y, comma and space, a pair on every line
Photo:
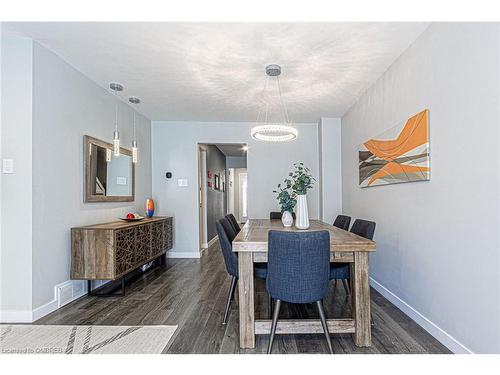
111, 293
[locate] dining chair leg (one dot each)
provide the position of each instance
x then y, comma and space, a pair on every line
273, 325
230, 297
346, 287
270, 305
325, 326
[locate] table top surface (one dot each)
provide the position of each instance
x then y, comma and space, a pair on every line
121, 224
253, 236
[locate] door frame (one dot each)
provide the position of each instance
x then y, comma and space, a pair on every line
202, 197
242, 218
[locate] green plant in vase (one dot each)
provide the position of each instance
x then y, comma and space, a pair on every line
287, 202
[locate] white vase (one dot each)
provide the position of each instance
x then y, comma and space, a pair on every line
287, 219
302, 221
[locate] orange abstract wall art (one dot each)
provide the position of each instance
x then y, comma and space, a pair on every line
400, 154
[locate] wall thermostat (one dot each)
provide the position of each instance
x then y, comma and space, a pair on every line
169, 174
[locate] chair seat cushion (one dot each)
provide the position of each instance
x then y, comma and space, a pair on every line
260, 270
339, 271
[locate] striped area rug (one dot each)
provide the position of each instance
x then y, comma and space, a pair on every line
47, 339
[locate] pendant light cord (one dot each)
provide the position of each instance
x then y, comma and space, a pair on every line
283, 105
116, 111
265, 101
134, 122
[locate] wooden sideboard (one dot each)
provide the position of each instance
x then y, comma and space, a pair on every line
111, 250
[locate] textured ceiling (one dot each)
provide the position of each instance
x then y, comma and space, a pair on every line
215, 72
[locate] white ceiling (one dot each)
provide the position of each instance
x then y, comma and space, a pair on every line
215, 72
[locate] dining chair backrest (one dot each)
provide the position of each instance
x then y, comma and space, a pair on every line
277, 215
234, 223
298, 265
364, 228
230, 258
342, 222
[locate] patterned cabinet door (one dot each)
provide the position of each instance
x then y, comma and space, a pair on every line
142, 243
169, 233
125, 250
158, 238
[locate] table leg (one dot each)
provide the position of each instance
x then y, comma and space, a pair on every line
361, 299
246, 300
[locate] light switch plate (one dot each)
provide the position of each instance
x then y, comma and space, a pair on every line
7, 165
182, 182
121, 180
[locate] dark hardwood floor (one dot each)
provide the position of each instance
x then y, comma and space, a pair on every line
191, 293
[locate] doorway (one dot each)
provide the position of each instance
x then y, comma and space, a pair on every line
222, 187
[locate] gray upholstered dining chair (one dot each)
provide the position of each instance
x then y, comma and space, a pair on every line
233, 222
342, 222
226, 235
298, 268
340, 271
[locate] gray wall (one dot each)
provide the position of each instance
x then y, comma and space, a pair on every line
438, 241
216, 200
16, 189
236, 162
66, 106
330, 161
48, 107
175, 149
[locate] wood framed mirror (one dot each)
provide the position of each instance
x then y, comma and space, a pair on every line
108, 178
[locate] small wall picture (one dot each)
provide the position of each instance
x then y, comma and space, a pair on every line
209, 175
209, 184
217, 182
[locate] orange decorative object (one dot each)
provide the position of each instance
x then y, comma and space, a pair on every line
400, 154
150, 207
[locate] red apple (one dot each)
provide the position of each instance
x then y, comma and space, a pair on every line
130, 216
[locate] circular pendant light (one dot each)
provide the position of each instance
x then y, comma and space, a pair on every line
274, 132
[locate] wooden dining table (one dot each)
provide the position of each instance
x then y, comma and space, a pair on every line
345, 247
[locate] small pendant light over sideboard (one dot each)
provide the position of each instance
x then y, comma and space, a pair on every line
116, 87
135, 101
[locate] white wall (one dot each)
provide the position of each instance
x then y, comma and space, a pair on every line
66, 106
330, 154
438, 241
175, 149
16, 189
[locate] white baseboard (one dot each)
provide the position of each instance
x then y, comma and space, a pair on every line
46, 309
439, 334
16, 316
212, 241
183, 254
